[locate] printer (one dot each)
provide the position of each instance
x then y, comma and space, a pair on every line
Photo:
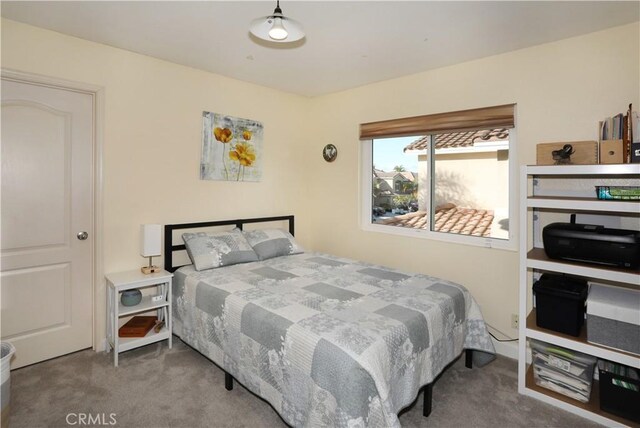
592, 244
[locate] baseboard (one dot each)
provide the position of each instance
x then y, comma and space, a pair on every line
506, 349
510, 350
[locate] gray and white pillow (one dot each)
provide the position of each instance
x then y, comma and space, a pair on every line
212, 250
269, 243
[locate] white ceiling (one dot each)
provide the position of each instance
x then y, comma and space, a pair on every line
348, 44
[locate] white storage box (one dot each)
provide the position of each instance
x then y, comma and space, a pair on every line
613, 317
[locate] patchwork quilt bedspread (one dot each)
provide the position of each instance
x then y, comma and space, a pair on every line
325, 340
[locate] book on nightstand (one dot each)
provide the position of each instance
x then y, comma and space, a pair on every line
137, 326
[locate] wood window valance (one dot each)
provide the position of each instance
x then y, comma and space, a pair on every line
479, 118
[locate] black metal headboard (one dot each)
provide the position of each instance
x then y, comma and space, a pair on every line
169, 248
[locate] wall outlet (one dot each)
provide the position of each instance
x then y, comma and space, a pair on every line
515, 321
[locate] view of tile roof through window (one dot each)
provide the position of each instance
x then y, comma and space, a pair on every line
460, 139
449, 218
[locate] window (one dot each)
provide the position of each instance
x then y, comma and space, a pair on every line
440, 184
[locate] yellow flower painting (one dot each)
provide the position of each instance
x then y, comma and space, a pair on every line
231, 148
223, 135
244, 154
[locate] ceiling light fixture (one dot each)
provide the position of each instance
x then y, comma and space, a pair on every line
276, 27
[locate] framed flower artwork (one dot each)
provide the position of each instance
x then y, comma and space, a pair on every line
231, 148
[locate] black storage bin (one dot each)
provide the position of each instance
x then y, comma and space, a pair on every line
560, 303
619, 390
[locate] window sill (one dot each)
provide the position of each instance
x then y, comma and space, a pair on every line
498, 244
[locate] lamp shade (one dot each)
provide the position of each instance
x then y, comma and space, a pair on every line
150, 240
277, 27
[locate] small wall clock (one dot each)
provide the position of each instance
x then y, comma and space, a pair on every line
330, 153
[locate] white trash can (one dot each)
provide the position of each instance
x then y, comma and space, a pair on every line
7, 351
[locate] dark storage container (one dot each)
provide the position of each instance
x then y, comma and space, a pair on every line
560, 303
619, 390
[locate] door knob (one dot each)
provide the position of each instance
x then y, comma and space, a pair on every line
82, 235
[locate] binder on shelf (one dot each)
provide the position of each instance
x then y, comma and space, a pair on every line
626, 143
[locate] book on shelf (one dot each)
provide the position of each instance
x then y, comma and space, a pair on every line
624, 128
633, 135
635, 127
138, 326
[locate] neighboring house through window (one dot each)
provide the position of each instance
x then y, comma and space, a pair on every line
463, 180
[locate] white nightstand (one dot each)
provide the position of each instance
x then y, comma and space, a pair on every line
118, 314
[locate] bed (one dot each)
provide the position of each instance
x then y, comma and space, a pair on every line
327, 341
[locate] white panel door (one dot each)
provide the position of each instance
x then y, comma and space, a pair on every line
47, 188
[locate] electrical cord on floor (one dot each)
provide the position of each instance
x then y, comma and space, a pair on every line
500, 340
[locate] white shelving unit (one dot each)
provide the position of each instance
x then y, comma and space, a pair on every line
118, 314
534, 259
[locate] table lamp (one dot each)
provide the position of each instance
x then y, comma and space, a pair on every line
150, 237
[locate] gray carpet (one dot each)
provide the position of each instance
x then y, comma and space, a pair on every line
157, 387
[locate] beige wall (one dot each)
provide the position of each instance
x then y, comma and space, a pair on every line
152, 140
152, 120
474, 180
562, 90
470, 180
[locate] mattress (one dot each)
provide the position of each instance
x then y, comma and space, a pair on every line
326, 340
